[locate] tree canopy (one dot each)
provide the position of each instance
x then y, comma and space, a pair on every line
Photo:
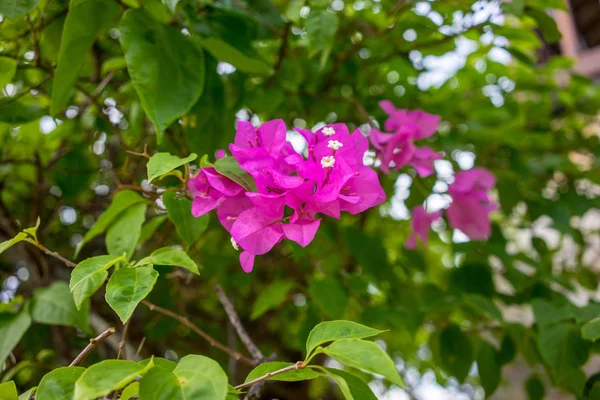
304, 199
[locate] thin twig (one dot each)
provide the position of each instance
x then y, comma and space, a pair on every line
54, 254
212, 341
237, 324
122, 342
93, 342
293, 367
139, 349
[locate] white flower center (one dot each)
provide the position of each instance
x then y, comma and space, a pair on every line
328, 131
327, 161
334, 144
234, 244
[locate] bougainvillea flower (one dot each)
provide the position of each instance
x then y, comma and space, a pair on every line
421, 223
393, 150
210, 189
421, 123
422, 161
471, 204
333, 178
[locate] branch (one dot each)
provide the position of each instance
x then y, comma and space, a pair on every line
294, 367
93, 342
123, 339
54, 254
213, 342
237, 324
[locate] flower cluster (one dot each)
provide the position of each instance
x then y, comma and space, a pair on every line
471, 203
291, 190
397, 149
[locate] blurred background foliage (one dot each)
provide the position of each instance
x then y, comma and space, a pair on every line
503, 318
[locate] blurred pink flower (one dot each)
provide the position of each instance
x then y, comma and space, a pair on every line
471, 204
421, 222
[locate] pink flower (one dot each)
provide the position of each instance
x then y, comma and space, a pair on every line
421, 123
220, 153
421, 222
395, 150
210, 189
471, 204
422, 161
332, 179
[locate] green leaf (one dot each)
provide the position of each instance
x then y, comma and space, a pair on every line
160, 363
106, 376
223, 51
352, 387
591, 329
122, 201
11, 242
330, 296
290, 376
561, 346
321, 26
201, 378
54, 305
177, 74
160, 384
489, 368
190, 229
89, 275
230, 168
8, 67
163, 163
19, 112
357, 353
514, 7
12, 329
150, 227
127, 287
336, 330
85, 21
33, 230
12, 9
545, 313
534, 388
271, 297
546, 24
456, 352
113, 64
123, 235
170, 256
484, 305
172, 4
132, 390
8, 391
59, 384
27, 395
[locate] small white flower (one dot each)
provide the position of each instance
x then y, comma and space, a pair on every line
234, 244
328, 131
327, 161
334, 144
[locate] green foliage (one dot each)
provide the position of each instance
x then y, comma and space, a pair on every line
173, 257
8, 391
127, 287
289, 376
101, 379
163, 163
77, 39
336, 330
364, 355
58, 384
92, 88
179, 210
271, 298
178, 75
